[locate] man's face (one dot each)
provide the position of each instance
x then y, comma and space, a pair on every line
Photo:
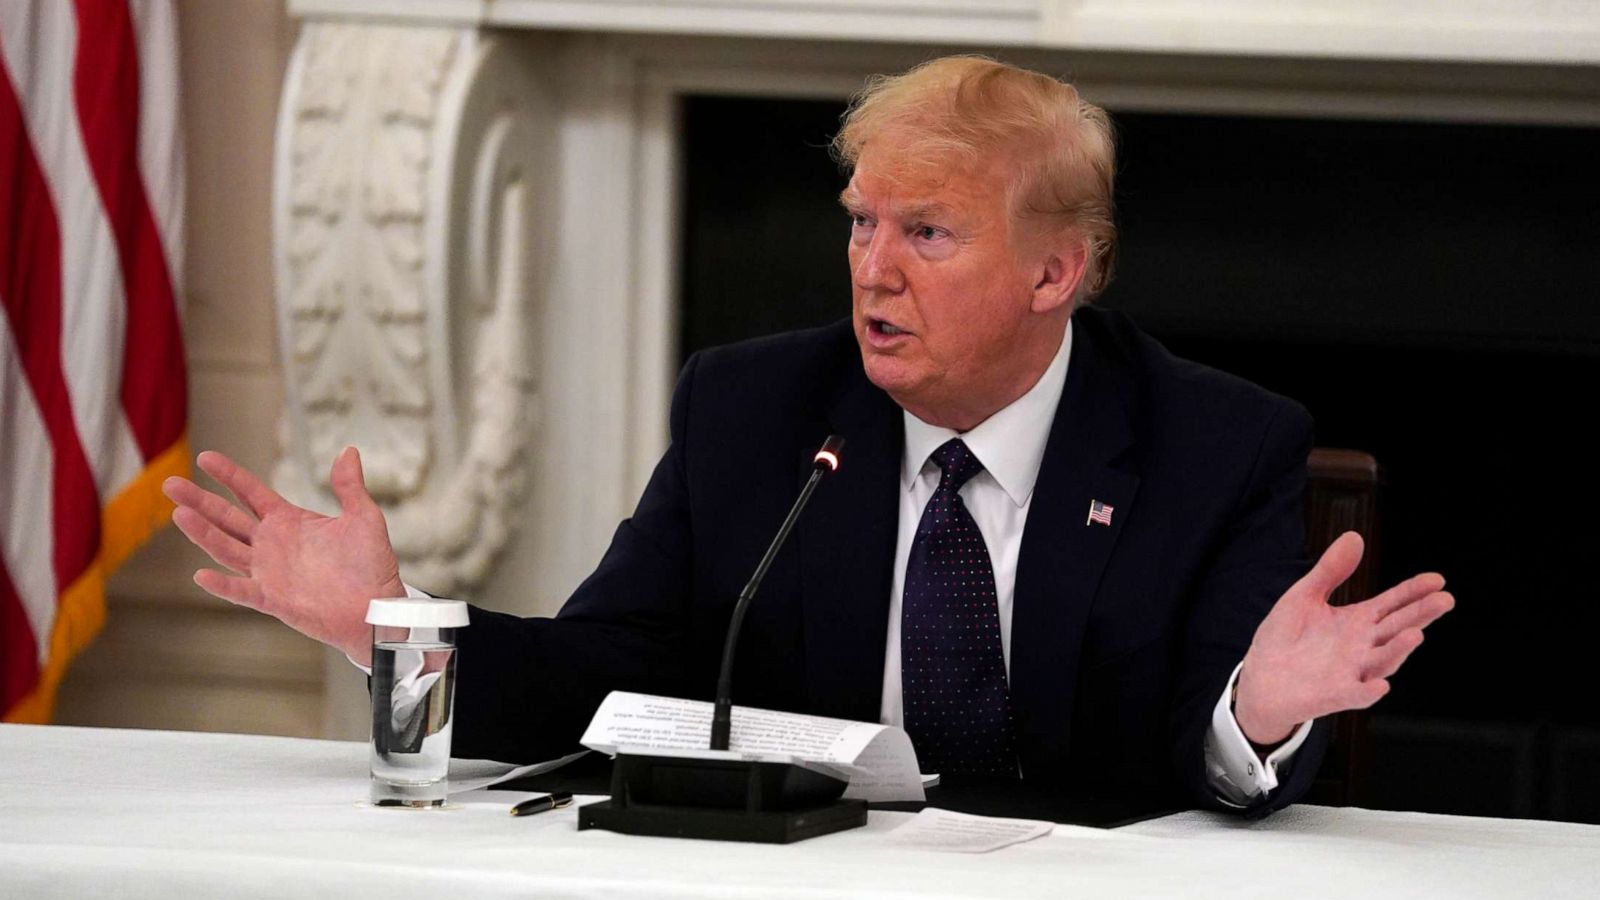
940, 296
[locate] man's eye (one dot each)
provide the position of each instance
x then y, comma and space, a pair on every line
858, 220
929, 232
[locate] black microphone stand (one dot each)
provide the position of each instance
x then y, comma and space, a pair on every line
826, 460
723, 797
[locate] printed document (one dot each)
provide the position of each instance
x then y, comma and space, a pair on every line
941, 829
876, 759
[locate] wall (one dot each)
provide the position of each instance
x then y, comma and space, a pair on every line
171, 656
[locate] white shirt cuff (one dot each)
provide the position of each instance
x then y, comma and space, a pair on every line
1234, 771
411, 592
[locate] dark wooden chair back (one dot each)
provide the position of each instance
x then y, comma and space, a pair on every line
1342, 495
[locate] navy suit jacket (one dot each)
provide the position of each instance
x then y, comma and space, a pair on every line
1122, 637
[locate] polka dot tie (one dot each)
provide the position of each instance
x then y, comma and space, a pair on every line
952, 666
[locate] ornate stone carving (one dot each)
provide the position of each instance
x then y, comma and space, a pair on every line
401, 210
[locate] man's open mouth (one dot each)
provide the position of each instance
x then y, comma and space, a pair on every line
885, 328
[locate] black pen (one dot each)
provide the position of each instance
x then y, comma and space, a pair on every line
540, 804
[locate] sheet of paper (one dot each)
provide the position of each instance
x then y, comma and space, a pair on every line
878, 759
485, 797
953, 832
886, 770
479, 782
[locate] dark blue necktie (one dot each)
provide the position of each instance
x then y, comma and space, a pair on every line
952, 666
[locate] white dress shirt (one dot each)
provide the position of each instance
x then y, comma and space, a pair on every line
1010, 444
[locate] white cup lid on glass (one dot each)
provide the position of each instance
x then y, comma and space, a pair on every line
426, 612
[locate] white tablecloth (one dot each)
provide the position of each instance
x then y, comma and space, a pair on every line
92, 812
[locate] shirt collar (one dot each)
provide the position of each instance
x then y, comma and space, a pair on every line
1010, 443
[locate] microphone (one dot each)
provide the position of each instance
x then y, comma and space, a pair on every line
718, 794
826, 460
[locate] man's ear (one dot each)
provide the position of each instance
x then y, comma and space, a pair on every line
1060, 273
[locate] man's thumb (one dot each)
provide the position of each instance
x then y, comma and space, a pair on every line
349, 485
1337, 564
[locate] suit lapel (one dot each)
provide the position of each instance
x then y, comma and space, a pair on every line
1063, 554
847, 539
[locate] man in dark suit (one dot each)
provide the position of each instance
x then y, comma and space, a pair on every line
1053, 551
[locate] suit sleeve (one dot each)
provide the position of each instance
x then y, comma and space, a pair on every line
1259, 554
527, 687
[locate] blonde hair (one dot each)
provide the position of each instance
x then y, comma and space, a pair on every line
971, 110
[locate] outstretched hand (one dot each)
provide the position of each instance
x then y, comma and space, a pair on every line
315, 573
1310, 659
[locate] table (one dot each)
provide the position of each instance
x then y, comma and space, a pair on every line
103, 812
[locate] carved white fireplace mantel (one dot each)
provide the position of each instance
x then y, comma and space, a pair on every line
475, 208
1512, 31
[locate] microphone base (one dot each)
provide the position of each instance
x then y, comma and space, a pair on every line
721, 800
724, 824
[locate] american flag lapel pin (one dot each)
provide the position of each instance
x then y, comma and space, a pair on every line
1098, 512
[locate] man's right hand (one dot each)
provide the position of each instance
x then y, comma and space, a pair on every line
312, 572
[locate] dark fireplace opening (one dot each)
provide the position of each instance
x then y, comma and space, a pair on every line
1427, 290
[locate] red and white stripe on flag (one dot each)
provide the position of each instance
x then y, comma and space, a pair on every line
93, 395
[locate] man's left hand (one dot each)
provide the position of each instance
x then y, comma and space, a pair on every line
1310, 659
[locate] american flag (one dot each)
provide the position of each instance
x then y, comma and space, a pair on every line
93, 402
1099, 512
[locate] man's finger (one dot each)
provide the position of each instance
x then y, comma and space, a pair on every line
232, 588
218, 511
241, 482
218, 544
348, 483
1409, 591
1338, 563
1368, 693
1419, 614
1386, 660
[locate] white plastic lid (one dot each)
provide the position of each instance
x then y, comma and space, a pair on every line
407, 612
